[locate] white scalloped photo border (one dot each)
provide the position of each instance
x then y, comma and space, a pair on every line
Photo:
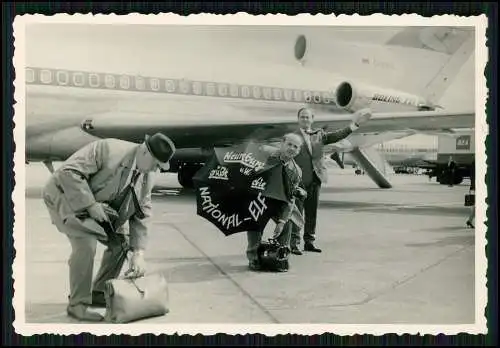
18, 196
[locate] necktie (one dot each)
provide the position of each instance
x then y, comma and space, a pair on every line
135, 176
308, 139
287, 185
139, 212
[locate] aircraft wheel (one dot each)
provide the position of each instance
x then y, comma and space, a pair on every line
458, 179
185, 175
441, 179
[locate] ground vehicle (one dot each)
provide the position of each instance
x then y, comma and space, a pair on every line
458, 147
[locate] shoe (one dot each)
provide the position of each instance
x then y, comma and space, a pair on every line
469, 224
98, 299
311, 247
296, 251
81, 312
254, 266
284, 267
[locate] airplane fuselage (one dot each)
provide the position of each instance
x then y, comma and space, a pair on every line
84, 76
60, 102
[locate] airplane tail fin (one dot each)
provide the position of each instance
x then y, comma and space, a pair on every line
453, 46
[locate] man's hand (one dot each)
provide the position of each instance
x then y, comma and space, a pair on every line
110, 212
97, 212
137, 266
362, 116
300, 193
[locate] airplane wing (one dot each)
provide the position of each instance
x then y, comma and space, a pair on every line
208, 129
365, 140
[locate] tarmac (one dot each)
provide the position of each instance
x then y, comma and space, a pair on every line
390, 256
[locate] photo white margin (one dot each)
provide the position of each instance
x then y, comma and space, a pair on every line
18, 196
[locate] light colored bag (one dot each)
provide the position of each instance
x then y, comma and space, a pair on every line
137, 298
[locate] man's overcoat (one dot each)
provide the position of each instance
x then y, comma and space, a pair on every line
98, 172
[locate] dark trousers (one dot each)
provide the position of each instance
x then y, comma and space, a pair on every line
309, 209
451, 177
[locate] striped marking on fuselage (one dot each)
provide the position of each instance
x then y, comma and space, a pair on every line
135, 83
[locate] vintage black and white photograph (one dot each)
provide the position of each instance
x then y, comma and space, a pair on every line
244, 174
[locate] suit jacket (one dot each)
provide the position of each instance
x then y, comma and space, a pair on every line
98, 173
312, 162
293, 180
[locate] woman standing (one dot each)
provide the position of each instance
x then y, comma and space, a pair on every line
472, 191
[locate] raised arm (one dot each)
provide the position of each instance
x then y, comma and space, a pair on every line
333, 137
359, 118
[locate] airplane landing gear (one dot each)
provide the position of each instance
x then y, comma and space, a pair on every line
186, 173
443, 179
49, 166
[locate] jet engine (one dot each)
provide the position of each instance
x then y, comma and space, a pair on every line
353, 97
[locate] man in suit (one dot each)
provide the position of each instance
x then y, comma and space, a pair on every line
472, 191
108, 181
289, 148
314, 174
451, 171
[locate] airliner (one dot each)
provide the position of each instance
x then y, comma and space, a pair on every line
410, 151
210, 86
407, 155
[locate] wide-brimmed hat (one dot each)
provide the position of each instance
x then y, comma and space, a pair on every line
161, 148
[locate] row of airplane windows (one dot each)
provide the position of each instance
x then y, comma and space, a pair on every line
405, 149
139, 83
